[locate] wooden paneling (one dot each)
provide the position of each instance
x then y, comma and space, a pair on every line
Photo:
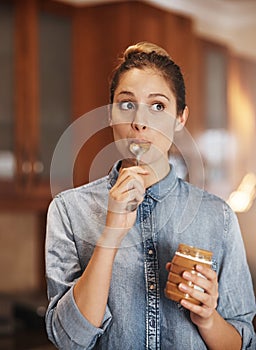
146, 23
213, 79
242, 114
100, 34
28, 189
26, 56
180, 42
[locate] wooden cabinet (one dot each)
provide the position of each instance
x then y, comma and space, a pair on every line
7, 114
57, 61
36, 91
214, 59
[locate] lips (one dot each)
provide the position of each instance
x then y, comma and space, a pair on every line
139, 147
139, 141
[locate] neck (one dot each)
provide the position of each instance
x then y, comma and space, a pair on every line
157, 170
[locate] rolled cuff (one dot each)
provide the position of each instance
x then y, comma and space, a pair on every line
77, 327
247, 334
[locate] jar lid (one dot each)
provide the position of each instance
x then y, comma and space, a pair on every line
194, 252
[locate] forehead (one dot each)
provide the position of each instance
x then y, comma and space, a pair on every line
144, 80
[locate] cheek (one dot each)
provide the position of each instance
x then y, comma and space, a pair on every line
119, 131
121, 140
164, 143
165, 130
163, 136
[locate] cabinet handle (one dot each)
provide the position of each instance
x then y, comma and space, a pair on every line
38, 167
26, 167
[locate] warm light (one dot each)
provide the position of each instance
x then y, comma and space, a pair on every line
239, 201
242, 199
248, 184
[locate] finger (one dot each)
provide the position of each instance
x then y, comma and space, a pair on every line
168, 266
200, 310
211, 286
119, 200
134, 195
197, 293
207, 272
135, 172
204, 277
128, 196
126, 186
137, 169
198, 281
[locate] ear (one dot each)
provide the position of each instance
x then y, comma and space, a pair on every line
181, 119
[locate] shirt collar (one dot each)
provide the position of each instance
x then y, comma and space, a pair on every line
158, 191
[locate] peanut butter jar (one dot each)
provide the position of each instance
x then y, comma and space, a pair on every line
185, 259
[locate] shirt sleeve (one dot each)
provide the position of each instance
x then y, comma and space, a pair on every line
67, 328
236, 297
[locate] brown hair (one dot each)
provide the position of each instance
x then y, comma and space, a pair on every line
148, 55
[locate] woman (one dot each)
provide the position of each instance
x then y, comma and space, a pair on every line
109, 242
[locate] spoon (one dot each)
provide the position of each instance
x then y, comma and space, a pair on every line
138, 149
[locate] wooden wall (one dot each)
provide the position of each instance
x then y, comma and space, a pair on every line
242, 111
100, 34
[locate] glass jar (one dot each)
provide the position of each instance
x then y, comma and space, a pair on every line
185, 259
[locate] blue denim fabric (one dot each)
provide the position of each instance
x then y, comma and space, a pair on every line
138, 315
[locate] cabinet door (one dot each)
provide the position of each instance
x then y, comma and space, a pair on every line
215, 141
216, 87
54, 84
7, 144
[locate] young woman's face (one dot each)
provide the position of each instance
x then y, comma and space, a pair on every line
144, 110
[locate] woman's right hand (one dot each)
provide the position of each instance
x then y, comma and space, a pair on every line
129, 188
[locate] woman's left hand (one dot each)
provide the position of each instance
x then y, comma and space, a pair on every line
201, 315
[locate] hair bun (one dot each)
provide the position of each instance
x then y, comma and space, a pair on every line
144, 47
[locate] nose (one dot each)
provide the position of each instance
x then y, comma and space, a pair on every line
139, 122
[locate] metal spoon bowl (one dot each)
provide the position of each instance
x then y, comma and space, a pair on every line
138, 149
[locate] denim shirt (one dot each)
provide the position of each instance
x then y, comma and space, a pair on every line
138, 315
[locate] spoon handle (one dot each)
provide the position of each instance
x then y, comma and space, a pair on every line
132, 205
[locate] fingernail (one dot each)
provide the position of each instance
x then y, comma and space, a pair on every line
184, 302
183, 286
187, 274
199, 267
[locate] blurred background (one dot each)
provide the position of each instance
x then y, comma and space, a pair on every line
56, 58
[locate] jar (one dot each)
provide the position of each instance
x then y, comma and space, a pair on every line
185, 259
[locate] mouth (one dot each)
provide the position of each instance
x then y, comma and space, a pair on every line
139, 147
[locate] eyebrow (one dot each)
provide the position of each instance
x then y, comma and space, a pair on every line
125, 93
157, 94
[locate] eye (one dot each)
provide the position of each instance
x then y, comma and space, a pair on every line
158, 107
127, 105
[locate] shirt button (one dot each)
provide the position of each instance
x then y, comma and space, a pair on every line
150, 252
152, 286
